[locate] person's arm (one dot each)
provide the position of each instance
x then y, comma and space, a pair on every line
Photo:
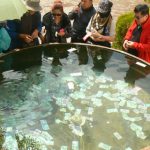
38, 28
102, 38
73, 14
68, 29
140, 46
130, 30
12, 29
88, 28
47, 18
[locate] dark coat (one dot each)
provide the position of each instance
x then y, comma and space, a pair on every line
52, 28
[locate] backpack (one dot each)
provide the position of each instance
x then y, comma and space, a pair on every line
5, 40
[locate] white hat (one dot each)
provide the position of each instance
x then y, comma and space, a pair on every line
33, 5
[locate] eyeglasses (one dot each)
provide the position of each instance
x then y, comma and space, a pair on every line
138, 18
57, 15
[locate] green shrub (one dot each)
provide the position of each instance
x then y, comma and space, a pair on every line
24, 142
148, 1
122, 25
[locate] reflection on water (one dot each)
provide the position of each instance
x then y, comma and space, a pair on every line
75, 100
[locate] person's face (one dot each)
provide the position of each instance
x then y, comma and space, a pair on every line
32, 12
57, 14
86, 3
140, 19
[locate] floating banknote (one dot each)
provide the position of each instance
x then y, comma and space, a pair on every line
90, 110
131, 104
44, 125
76, 74
72, 50
64, 148
128, 148
75, 145
112, 110
77, 130
117, 135
104, 146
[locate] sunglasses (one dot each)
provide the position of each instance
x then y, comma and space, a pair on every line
57, 15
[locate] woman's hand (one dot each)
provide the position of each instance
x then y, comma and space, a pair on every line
26, 38
35, 34
125, 45
61, 32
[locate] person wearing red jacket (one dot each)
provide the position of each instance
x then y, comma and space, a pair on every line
137, 39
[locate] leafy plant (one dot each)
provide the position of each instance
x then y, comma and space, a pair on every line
122, 25
148, 1
2, 138
25, 143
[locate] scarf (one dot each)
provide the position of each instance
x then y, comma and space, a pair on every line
99, 23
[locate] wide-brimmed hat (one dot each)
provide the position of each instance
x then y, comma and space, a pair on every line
33, 5
104, 6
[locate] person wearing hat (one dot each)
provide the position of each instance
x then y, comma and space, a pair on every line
30, 25
24, 32
99, 27
57, 24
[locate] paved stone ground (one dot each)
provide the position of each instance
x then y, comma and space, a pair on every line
119, 7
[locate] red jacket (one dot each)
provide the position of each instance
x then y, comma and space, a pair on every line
143, 47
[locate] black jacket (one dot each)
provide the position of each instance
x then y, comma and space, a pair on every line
52, 28
81, 20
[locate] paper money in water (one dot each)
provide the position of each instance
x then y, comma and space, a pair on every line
131, 104
10, 143
58, 121
99, 94
99, 57
75, 145
126, 117
9, 129
142, 108
78, 111
112, 110
122, 103
90, 110
141, 135
135, 127
64, 148
104, 146
128, 148
125, 111
67, 116
70, 106
147, 116
44, 125
31, 123
137, 118
71, 85
76, 74
77, 130
91, 77
72, 50
117, 135
135, 90
97, 102
62, 109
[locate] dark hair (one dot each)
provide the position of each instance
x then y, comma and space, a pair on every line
142, 8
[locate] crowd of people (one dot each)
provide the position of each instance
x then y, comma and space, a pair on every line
89, 25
